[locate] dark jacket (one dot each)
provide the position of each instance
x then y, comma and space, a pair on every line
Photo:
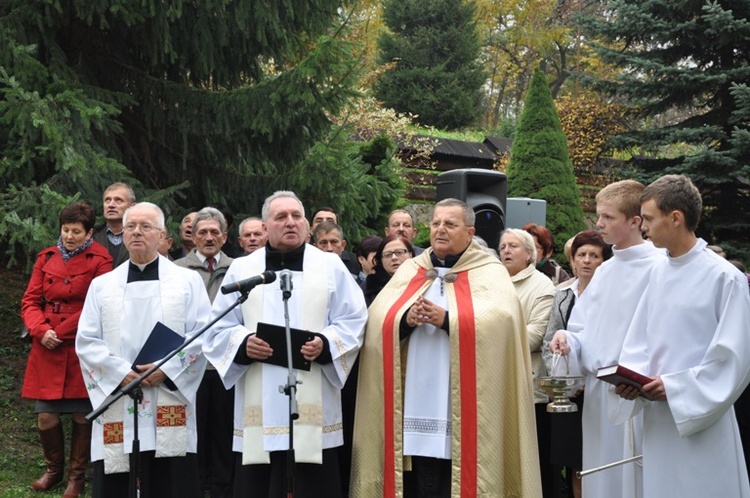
119, 253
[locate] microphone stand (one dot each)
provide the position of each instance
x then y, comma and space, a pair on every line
290, 389
133, 389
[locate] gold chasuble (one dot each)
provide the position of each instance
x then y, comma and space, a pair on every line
493, 438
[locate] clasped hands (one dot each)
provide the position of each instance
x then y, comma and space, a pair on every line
50, 340
425, 311
258, 349
153, 380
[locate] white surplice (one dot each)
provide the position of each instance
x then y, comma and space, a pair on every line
116, 320
342, 325
597, 328
427, 397
692, 328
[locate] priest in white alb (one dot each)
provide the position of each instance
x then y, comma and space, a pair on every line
690, 334
120, 312
326, 301
596, 329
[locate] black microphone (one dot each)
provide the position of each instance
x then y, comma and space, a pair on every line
286, 283
249, 284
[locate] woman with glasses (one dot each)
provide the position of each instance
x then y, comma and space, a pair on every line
391, 253
51, 307
588, 252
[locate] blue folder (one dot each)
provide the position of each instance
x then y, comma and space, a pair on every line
159, 344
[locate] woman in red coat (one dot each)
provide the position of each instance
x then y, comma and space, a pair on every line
50, 308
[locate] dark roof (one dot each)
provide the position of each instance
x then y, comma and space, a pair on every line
500, 145
486, 150
459, 148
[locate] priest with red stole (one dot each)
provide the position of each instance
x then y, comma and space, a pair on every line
446, 403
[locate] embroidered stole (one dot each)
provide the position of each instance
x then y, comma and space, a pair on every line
308, 428
171, 412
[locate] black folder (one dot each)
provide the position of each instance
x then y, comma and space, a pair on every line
159, 344
275, 336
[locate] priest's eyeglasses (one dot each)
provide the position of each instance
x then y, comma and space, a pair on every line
145, 228
397, 252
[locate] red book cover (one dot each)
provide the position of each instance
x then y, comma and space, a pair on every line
618, 374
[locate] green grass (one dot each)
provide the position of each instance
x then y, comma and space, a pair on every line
20, 452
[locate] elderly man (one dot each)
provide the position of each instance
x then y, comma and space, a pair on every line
121, 310
329, 237
214, 403
117, 198
326, 301
186, 237
165, 244
460, 405
209, 233
253, 235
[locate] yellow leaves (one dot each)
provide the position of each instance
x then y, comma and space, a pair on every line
588, 122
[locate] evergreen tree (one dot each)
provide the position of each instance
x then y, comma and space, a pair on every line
684, 64
194, 102
435, 50
540, 166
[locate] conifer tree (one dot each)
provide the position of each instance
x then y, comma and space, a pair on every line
195, 102
684, 65
435, 49
540, 166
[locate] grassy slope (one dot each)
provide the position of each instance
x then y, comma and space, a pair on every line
20, 452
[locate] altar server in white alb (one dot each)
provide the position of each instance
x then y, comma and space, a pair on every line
120, 312
689, 333
596, 329
326, 301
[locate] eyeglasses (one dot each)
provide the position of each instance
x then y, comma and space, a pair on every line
398, 253
130, 227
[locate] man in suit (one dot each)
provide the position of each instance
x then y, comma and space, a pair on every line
214, 404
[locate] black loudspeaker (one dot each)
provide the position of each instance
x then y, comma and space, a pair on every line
485, 191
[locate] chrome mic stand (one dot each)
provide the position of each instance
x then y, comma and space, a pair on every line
290, 388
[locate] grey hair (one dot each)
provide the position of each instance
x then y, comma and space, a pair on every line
328, 226
277, 195
469, 215
150, 205
526, 239
210, 213
128, 189
242, 223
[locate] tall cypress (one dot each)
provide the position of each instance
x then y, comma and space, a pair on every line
434, 50
540, 166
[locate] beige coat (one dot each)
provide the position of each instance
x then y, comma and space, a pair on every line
536, 293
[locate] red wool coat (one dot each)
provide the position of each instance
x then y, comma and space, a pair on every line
56, 374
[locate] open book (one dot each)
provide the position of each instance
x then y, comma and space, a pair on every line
618, 374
